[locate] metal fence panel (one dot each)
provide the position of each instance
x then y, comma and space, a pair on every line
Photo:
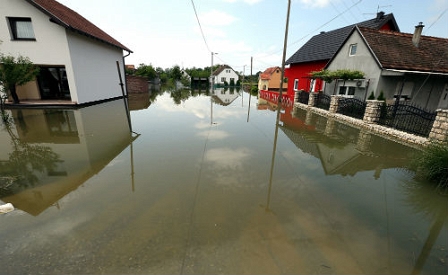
407, 118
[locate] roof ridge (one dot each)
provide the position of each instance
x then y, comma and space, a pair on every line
70, 19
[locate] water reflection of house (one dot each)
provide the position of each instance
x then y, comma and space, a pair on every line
225, 96
357, 151
83, 140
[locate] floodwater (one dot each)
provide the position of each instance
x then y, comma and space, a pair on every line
211, 185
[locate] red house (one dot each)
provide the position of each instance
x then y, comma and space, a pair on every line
315, 54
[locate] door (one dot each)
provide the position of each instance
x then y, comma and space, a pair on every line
53, 83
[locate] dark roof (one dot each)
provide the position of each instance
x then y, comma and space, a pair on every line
396, 51
221, 68
324, 45
71, 20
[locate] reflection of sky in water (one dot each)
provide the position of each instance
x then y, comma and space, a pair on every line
190, 196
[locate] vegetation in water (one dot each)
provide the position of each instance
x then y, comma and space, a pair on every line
432, 164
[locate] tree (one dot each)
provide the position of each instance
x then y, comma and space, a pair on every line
16, 72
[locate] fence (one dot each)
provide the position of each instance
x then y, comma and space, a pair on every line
403, 117
352, 107
407, 118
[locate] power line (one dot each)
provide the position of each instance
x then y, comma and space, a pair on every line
200, 27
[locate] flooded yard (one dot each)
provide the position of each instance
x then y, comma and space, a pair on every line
211, 184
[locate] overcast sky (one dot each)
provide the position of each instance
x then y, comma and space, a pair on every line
165, 33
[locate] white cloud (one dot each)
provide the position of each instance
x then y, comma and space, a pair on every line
216, 18
250, 2
316, 3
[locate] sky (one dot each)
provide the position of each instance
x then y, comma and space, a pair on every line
247, 35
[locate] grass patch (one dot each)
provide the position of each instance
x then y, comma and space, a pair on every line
432, 164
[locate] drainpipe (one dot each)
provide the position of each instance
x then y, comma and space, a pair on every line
367, 89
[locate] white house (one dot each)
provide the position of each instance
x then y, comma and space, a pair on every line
403, 66
77, 60
225, 74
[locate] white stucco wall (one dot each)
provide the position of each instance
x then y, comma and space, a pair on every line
90, 64
50, 47
95, 69
227, 75
362, 61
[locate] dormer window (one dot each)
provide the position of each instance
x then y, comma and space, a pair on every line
352, 50
21, 28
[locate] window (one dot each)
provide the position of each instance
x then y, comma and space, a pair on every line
353, 48
223, 79
21, 28
296, 84
347, 91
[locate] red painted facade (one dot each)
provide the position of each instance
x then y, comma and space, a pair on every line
301, 71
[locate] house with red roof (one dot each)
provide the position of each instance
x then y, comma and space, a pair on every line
77, 60
403, 66
316, 52
270, 79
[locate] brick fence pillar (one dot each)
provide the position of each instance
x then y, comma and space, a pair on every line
312, 101
439, 131
334, 104
373, 109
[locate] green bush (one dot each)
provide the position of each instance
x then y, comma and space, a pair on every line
372, 96
432, 164
381, 96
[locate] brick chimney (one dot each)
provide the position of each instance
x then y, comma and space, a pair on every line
417, 34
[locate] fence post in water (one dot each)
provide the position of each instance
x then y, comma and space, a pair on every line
373, 109
439, 131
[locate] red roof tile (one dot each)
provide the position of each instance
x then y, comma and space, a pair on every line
71, 20
266, 75
396, 51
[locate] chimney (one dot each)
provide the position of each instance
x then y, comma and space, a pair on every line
380, 15
417, 34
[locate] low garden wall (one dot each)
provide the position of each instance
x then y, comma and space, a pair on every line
439, 131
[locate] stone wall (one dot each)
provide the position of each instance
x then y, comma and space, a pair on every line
439, 129
438, 133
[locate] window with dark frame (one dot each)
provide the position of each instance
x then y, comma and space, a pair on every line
21, 28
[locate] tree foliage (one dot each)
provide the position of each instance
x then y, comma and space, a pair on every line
344, 74
16, 72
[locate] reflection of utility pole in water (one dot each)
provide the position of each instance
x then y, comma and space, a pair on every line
277, 121
248, 108
434, 233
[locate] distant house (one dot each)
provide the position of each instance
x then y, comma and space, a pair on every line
270, 79
224, 74
315, 54
77, 60
403, 66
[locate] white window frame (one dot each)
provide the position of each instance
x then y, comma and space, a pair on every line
296, 84
352, 49
347, 90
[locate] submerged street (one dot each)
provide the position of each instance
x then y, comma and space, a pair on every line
203, 185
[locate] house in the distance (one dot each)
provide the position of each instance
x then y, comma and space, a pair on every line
270, 80
315, 54
77, 60
225, 75
403, 66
